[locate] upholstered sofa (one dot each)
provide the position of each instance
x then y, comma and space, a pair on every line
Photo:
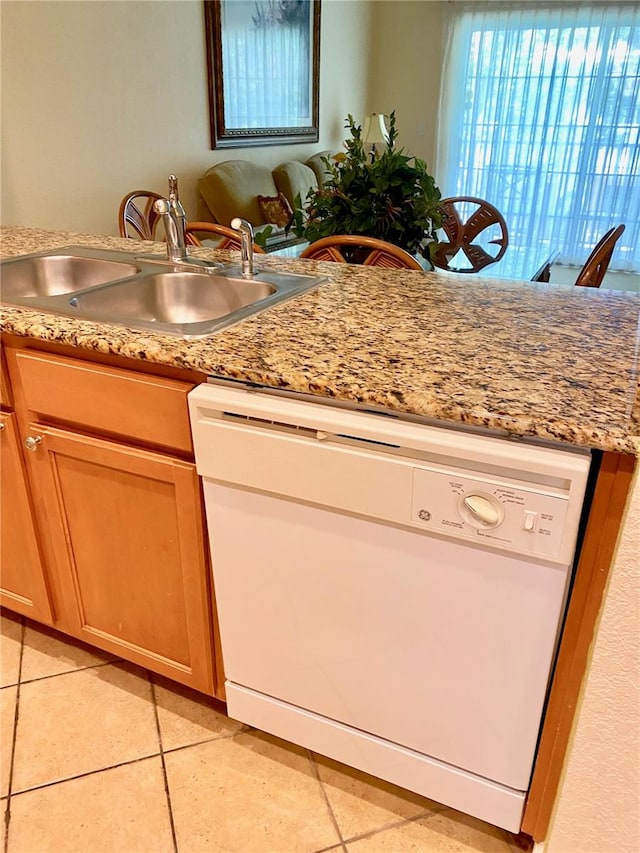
256, 193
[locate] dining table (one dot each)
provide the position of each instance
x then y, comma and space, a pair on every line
518, 262
524, 263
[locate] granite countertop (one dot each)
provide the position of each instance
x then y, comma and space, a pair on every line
527, 358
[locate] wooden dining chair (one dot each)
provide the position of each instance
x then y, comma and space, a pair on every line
194, 232
137, 215
467, 219
375, 253
597, 263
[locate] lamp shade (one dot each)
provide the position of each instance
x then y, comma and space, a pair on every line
375, 130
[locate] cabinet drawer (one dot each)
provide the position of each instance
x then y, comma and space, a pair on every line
106, 399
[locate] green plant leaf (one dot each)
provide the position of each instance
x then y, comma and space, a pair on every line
260, 239
394, 198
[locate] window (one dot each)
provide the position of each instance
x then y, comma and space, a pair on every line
541, 116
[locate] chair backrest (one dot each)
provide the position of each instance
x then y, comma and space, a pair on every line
316, 163
229, 239
137, 214
597, 263
472, 227
231, 189
293, 179
375, 253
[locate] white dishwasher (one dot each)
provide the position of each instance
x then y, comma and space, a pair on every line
389, 593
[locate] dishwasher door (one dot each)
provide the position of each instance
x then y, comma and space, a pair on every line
416, 648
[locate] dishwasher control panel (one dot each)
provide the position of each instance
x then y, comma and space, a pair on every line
499, 513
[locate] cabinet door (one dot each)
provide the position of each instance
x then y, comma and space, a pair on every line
22, 579
126, 531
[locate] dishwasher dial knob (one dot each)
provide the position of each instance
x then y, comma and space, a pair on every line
481, 510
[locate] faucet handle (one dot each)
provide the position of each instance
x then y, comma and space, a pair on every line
173, 217
161, 206
173, 187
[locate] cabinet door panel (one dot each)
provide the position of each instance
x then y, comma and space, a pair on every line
21, 570
127, 534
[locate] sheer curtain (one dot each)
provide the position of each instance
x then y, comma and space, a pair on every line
540, 115
266, 66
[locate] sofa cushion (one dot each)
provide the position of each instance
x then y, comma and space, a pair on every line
275, 209
232, 188
319, 168
294, 178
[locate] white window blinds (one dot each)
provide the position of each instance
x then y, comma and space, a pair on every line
540, 115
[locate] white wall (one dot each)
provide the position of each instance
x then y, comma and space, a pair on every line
598, 808
407, 56
101, 97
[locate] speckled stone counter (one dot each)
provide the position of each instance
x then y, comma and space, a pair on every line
527, 358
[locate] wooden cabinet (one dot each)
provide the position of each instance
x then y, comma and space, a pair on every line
119, 510
6, 398
22, 579
125, 527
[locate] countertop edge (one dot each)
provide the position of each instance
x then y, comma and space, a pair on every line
212, 360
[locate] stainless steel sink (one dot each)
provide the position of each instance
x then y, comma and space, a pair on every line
174, 298
143, 292
50, 275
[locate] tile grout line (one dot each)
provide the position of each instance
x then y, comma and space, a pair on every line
160, 753
340, 846
164, 766
69, 671
227, 736
42, 785
7, 812
325, 796
428, 813
361, 836
424, 813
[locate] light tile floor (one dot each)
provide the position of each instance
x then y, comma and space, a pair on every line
99, 756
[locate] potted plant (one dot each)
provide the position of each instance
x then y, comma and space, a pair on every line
393, 197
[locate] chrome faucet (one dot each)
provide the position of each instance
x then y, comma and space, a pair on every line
174, 219
246, 242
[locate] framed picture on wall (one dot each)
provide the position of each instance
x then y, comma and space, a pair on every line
263, 61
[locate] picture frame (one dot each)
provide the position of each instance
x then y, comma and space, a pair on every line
263, 63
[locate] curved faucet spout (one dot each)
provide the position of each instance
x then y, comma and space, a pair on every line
246, 241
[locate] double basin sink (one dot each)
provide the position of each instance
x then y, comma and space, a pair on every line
148, 293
